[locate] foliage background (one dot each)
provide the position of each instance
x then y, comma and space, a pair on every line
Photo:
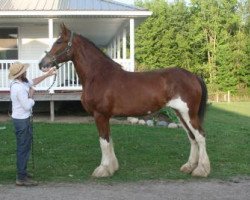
208, 37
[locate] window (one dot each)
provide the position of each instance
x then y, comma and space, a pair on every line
8, 44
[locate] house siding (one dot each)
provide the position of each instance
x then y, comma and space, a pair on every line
33, 41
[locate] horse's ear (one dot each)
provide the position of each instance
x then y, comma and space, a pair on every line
64, 29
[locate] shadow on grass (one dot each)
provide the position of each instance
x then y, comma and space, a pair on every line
70, 152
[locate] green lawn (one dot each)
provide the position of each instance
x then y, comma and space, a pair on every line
242, 108
70, 152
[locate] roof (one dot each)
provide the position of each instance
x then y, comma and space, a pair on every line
98, 20
65, 5
69, 8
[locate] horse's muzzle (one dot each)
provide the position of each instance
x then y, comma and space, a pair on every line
44, 66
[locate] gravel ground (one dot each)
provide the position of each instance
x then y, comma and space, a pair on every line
151, 190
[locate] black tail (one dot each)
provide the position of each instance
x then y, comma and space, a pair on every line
203, 103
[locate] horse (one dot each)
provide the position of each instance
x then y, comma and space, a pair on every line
108, 91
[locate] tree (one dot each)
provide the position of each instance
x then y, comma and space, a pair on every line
208, 37
161, 40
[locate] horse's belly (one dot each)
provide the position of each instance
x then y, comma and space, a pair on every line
137, 106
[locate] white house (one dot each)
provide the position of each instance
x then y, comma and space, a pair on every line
29, 27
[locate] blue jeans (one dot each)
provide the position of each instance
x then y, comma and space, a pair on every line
23, 130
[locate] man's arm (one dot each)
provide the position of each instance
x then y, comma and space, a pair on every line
39, 79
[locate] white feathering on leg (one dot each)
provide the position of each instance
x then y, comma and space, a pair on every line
109, 163
203, 168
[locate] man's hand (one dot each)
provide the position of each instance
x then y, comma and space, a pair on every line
51, 72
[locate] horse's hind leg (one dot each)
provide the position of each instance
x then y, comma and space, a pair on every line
193, 157
193, 125
203, 168
194, 150
109, 163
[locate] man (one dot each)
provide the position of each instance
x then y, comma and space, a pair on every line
21, 93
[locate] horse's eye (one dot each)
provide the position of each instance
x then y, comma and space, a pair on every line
59, 41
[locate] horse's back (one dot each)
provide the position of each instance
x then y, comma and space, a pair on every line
141, 92
173, 81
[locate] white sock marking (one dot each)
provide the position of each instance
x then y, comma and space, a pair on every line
107, 151
182, 107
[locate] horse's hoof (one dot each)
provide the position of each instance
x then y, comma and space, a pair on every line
201, 171
188, 168
102, 171
115, 165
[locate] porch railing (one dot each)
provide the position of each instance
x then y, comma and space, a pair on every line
67, 78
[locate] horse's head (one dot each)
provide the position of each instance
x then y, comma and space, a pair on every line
61, 51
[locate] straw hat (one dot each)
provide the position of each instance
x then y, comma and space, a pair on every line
17, 69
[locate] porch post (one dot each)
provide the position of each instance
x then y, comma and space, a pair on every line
52, 110
118, 47
132, 44
111, 50
51, 28
115, 49
51, 91
124, 44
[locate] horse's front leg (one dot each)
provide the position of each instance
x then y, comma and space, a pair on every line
109, 163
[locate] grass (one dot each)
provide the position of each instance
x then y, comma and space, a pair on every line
70, 152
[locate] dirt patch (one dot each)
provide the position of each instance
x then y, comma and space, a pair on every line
160, 190
67, 119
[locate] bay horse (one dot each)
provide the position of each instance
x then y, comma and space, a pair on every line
110, 91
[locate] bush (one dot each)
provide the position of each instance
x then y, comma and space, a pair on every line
169, 113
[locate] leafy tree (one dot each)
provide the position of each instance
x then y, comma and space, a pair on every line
208, 37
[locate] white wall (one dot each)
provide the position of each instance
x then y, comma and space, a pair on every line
33, 41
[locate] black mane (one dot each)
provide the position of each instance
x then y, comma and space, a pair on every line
96, 47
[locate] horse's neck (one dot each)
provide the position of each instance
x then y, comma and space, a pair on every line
87, 59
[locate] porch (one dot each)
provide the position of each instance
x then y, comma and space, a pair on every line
66, 79
66, 87
29, 27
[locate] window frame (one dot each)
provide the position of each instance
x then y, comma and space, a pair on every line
18, 40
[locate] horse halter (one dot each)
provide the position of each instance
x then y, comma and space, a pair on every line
53, 59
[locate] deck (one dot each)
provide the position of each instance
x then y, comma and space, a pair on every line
50, 97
